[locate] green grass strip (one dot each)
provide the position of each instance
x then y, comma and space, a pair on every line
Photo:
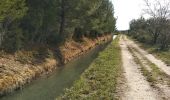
163, 55
149, 75
99, 81
155, 75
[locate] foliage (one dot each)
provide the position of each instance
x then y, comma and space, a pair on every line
29, 22
151, 31
155, 30
11, 13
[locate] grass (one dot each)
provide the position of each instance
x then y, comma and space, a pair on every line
99, 81
155, 75
20, 68
163, 55
150, 78
158, 74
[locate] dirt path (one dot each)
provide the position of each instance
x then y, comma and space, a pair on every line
162, 84
137, 86
150, 57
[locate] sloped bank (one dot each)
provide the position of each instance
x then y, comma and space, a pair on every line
99, 81
14, 74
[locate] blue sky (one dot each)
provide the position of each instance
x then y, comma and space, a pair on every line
126, 10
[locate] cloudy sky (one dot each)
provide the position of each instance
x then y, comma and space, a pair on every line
126, 10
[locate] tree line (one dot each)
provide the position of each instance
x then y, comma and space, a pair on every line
156, 29
49, 22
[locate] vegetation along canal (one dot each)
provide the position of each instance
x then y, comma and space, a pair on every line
48, 88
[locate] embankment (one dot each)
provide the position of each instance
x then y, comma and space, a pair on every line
14, 74
99, 81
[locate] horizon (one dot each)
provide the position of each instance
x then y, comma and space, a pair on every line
125, 11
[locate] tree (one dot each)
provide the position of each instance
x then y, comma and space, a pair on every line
156, 28
47, 22
159, 10
138, 29
10, 13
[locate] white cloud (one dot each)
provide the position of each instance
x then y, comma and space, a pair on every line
126, 10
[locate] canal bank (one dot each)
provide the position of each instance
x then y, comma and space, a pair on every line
47, 88
101, 79
99, 41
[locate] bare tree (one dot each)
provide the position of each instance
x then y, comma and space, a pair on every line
164, 38
158, 24
157, 8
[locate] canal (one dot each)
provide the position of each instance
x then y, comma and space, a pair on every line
53, 85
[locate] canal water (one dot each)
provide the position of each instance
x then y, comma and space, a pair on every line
53, 85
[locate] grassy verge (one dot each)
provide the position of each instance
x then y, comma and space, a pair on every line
163, 55
150, 78
155, 75
100, 79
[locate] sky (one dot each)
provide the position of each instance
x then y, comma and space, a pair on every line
126, 10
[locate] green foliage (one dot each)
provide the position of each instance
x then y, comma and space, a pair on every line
13, 39
154, 31
97, 18
100, 79
138, 30
50, 22
11, 11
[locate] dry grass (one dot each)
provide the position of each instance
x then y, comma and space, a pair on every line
22, 67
